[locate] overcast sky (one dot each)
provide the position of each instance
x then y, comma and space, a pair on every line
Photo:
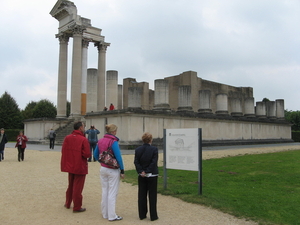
242, 43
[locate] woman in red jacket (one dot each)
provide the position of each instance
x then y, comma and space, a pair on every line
21, 145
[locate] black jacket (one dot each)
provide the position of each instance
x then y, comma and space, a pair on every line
145, 159
3, 142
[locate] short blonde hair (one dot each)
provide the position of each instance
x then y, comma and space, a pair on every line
110, 128
147, 138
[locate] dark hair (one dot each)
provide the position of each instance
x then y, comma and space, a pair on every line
77, 125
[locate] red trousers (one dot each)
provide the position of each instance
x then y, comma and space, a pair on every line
73, 193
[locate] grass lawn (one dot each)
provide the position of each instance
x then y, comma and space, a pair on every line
264, 188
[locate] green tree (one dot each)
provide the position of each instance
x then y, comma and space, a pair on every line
10, 114
27, 113
294, 118
44, 108
68, 108
265, 100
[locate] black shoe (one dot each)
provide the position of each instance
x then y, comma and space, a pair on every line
80, 210
143, 218
154, 219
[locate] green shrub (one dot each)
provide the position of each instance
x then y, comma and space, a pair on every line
296, 136
12, 134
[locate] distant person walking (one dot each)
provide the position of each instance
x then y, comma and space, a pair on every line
93, 140
21, 145
52, 136
145, 161
110, 177
111, 107
3, 141
74, 154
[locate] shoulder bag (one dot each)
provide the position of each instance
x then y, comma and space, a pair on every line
108, 158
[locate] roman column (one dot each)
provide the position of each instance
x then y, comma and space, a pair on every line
204, 102
184, 98
260, 109
249, 107
91, 105
102, 47
62, 76
280, 109
222, 104
271, 109
76, 71
120, 96
112, 88
85, 44
135, 97
236, 107
161, 95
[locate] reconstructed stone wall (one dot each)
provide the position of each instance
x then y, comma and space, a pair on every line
215, 129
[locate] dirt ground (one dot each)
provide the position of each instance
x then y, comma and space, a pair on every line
33, 192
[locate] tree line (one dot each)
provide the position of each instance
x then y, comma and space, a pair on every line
12, 117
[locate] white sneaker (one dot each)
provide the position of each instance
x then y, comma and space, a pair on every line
117, 218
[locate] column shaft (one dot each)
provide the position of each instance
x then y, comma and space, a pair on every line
62, 77
76, 76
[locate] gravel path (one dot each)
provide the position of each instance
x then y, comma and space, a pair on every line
33, 192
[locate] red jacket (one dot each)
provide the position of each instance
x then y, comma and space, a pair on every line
74, 153
23, 139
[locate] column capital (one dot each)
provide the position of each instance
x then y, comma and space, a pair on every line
102, 46
85, 42
77, 29
63, 38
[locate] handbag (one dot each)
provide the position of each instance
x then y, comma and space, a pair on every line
108, 158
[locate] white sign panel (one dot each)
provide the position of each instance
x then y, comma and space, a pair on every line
182, 149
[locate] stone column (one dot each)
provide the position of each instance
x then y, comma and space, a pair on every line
112, 88
102, 47
236, 107
91, 103
85, 44
135, 97
260, 109
62, 76
120, 96
280, 109
249, 107
76, 71
222, 104
204, 102
271, 109
161, 95
184, 98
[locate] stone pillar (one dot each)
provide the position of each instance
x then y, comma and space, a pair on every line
184, 98
135, 97
91, 100
204, 102
236, 107
62, 76
76, 71
222, 104
120, 96
271, 109
249, 107
102, 46
85, 44
260, 109
161, 95
280, 109
112, 88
